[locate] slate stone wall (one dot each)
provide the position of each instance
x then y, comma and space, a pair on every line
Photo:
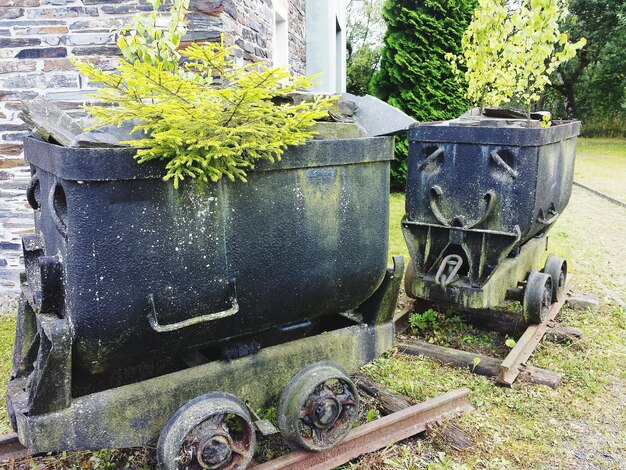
38, 36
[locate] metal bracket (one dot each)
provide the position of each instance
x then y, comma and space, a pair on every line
31, 192
431, 158
54, 197
542, 220
50, 383
435, 195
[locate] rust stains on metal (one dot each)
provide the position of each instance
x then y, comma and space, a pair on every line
377, 434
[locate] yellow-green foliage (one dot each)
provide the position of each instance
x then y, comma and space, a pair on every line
512, 48
143, 39
205, 115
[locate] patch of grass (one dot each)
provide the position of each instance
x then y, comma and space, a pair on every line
449, 330
7, 333
608, 126
601, 164
397, 246
141, 458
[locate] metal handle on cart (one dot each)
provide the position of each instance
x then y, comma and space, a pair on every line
501, 163
56, 201
156, 326
542, 220
30, 192
436, 193
431, 158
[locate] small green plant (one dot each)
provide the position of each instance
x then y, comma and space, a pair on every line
269, 413
372, 414
420, 322
510, 343
511, 49
145, 41
204, 115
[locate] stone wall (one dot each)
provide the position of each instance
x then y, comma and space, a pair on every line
38, 36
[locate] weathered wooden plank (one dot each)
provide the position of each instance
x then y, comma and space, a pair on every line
450, 436
11, 449
584, 302
487, 366
389, 402
563, 334
521, 352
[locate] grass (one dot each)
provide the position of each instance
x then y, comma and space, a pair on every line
7, 333
397, 246
601, 164
582, 424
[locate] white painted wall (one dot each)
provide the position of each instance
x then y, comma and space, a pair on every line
326, 44
280, 36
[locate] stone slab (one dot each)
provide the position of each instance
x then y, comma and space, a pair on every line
584, 302
378, 118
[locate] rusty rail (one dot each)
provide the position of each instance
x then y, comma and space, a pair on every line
11, 449
377, 434
512, 365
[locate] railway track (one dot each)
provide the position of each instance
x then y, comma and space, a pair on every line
367, 438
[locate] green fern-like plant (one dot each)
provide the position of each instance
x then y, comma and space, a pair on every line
204, 115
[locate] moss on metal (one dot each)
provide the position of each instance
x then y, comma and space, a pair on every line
134, 414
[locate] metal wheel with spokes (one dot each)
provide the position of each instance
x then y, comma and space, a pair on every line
213, 431
318, 407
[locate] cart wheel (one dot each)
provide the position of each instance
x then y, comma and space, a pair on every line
318, 407
409, 278
537, 296
213, 431
557, 268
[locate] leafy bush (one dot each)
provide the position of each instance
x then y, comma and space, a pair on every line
609, 126
360, 70
510, 50
206, 116
592, 86
414, 73
365, 29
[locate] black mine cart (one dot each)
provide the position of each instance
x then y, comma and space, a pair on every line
481, 196
150, 313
